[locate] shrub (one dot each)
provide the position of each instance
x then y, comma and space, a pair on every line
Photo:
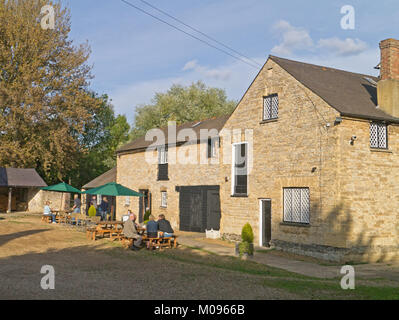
147, 215
247, 235
245, 247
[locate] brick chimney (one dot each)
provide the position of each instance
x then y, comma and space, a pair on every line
388, 85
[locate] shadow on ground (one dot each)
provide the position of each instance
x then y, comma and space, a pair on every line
12, 236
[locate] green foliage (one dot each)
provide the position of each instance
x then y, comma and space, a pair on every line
247, 234
246, 247
101, 139
45, 101
147, 215
181, 104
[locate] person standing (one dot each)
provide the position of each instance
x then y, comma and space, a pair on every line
94, 201
104, 208
76, 204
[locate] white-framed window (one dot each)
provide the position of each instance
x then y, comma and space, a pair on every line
270, 107
213, 144
164, 199
378, 135
162, 155
240, 169
127, 201
296, 205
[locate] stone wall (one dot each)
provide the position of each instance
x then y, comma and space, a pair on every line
133, 171
37, 199
353, 196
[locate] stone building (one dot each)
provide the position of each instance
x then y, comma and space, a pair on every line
20, 190
309, 157
325, 160
182, 178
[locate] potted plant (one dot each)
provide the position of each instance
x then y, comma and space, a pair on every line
246, 246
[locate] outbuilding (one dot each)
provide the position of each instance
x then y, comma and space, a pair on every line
20, 189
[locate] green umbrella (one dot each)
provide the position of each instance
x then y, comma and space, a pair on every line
62, 187
113, 189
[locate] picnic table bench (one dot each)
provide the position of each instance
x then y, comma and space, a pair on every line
153, 243
105, 227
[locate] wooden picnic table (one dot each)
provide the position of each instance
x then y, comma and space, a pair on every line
105, 227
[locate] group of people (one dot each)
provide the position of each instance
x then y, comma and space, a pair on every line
155, 229
101, 210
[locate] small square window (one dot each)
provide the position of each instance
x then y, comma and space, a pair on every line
296, 205
270, 107
378, 135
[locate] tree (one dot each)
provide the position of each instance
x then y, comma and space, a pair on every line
45, 104
106, 133
181, 104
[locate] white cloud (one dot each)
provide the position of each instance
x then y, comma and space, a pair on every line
293, 38
345, 47
220, 73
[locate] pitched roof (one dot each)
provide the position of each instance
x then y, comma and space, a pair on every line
109, 176
347, 92
16, 177
141, 143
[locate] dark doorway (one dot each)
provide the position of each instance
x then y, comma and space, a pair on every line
265, 222
199, 208
144, 203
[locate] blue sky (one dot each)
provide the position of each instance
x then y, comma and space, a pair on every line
135, 56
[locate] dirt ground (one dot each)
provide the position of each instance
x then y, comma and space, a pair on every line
85, 269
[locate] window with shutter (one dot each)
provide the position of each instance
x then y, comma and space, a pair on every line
240, 178
270, 107
163, 167
296, 205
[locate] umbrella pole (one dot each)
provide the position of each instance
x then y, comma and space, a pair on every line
62, 199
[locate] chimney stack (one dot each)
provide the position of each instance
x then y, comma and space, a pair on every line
388, 85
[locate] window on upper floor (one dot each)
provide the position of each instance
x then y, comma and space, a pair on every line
213, 144
270, 107
378, 135
296, 205
163, 163
240, 169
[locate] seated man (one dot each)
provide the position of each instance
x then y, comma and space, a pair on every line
164, 227
130, 231
48, 212
152, 227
